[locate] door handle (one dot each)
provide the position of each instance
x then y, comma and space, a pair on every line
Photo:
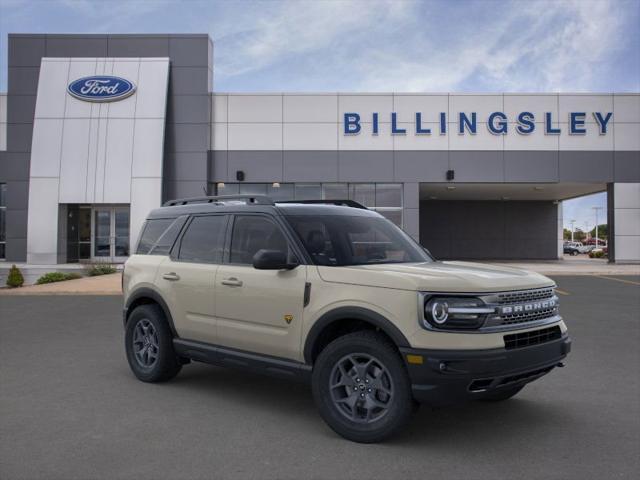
172, 276
232, 282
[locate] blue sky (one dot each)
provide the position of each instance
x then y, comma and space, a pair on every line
371, 45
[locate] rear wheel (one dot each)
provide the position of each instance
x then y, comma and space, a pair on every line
502, 394
149, 345
361, 387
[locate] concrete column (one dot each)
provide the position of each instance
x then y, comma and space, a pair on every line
560, 231
410, 210
624, 222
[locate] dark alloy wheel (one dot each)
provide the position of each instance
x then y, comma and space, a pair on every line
361, 387
149, 345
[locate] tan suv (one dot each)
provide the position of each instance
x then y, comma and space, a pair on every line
334, 294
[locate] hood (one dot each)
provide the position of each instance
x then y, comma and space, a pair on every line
467, 277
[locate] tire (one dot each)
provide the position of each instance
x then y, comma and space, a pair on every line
502, 394
147, 331
369, 403
574, 253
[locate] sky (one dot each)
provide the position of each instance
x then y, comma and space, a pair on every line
377, 45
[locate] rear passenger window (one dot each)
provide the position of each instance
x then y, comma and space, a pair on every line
203, 240
153, 229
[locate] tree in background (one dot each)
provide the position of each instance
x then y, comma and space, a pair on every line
603, 231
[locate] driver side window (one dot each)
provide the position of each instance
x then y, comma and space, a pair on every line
252, 233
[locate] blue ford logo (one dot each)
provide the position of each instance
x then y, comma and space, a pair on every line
101, 88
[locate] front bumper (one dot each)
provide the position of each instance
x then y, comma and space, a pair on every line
452, 376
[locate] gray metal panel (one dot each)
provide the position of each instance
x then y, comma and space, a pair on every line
16, 223
259, 165
477, 166
310, 166
16, 249
26, 50
76, 46
186, 166
531, 166
626, 166
16, 167
23, 80
17, 194
138, 46
22, 108
189, 51
218, 164
188, 80
183, 189
586, 166
188, 109
19, 138
365, 166
426, 166
187, 137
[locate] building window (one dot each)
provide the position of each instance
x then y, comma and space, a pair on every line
3, 216
384, 198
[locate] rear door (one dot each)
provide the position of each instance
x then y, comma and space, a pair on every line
187, 277
259, 310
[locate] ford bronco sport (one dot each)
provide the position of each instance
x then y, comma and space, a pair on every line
334, 294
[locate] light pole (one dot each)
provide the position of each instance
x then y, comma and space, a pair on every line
596, 210
572, 222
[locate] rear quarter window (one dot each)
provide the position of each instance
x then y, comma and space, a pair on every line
158, 235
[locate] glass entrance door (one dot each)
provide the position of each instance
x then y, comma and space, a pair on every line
110, 234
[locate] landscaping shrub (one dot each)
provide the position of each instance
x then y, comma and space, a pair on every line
15, 278
596, 254
100, 269
52, 277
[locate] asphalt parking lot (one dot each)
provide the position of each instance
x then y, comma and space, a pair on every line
70, 408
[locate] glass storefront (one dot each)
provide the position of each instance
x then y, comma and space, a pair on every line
384, 198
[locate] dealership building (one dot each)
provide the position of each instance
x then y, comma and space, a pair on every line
96, 130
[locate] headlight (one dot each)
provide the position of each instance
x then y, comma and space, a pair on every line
455, 312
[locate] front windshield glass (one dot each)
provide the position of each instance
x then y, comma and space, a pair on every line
340, 240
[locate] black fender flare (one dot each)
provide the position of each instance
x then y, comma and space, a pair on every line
151, 294
352, 313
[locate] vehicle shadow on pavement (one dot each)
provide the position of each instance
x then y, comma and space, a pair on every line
472, 424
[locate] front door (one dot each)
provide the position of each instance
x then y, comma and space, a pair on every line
110, 227
259, 310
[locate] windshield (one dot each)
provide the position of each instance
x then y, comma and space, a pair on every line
340, 240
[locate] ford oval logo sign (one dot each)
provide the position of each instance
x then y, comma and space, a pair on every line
101, 88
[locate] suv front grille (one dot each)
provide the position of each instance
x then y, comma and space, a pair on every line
535, 337
524, 296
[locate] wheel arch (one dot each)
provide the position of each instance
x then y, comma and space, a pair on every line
147, 296
335, 321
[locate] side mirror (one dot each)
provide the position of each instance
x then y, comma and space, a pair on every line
272, 260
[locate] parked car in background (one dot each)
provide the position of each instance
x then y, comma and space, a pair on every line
577, 247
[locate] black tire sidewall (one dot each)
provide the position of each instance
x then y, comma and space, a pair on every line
377, 346
167, 365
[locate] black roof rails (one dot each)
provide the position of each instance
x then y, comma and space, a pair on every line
249, 199
343, 203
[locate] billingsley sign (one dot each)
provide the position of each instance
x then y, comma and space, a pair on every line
497, 123
101, 88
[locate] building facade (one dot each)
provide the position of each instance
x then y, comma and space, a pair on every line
96, 130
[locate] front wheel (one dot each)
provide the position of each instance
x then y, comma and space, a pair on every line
149, 345
361, 387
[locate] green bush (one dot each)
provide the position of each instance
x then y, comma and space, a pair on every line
101, 269
52, 277
15, 278
597, 254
